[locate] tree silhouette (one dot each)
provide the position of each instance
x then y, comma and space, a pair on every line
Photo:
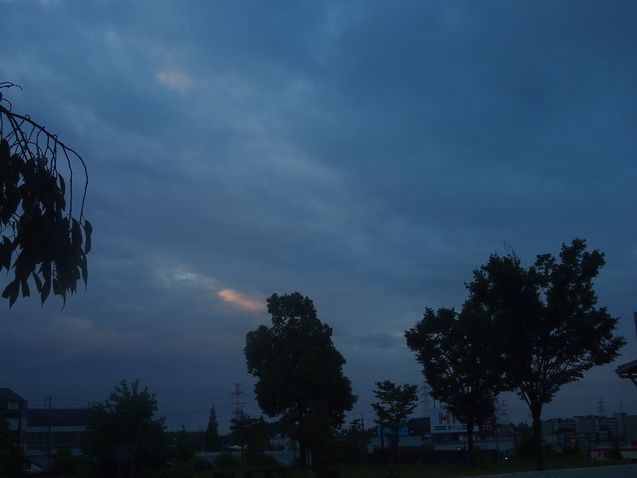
395, 403
123, 430
212, 431
550, 329
41, 238
460, 364
299, 372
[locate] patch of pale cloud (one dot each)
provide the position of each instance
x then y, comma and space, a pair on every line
112, 39
168, 64
174, 79
231, 296
376, 340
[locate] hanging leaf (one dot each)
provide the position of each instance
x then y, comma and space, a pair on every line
26, 292
38, 282
45, 291
11, 292
88, 230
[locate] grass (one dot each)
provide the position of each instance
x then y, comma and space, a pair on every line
442, 470
457, 470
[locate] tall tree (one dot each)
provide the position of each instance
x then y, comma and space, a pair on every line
395, 403
212, 431
457, 354
550, 328
124, 429
43, 237
299, 371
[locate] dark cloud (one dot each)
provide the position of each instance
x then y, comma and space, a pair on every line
369, 156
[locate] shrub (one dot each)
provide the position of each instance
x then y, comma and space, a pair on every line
265, 464
283, 472
223, 474
614, 453
64, 463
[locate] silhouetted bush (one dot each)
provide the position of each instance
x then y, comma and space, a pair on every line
64, 462
226, 460
223, 474
614, 453
265, 464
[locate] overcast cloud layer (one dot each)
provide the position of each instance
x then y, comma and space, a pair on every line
367, 154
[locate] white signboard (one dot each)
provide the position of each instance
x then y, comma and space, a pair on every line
443, 421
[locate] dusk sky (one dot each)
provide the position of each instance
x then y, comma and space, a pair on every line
367, 154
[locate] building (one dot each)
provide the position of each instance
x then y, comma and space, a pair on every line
591, 430
13, 408
49, 430
629, 370
42, 432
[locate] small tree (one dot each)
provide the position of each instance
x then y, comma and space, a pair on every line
251, 433
65, 463
395, 403
355, 442
550, 329
41, 238
123, 433
457, 354
524, 443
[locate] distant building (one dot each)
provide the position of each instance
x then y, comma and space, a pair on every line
43, 431
50, 429
588, 431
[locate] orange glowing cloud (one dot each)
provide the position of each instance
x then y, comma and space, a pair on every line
237, 299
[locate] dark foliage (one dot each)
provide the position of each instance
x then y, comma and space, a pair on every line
460, 363
123, 434
299, 372
42, 241
395, 404
548, 325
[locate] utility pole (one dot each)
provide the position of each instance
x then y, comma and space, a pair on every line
21, 446
47, 404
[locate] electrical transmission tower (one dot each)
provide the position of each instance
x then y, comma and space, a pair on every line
600, 407
503, 413
237, 401
425, 398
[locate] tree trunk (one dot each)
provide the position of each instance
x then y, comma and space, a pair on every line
302, 453
536, 414
382, 438
470, 441
395, 447
316, 461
